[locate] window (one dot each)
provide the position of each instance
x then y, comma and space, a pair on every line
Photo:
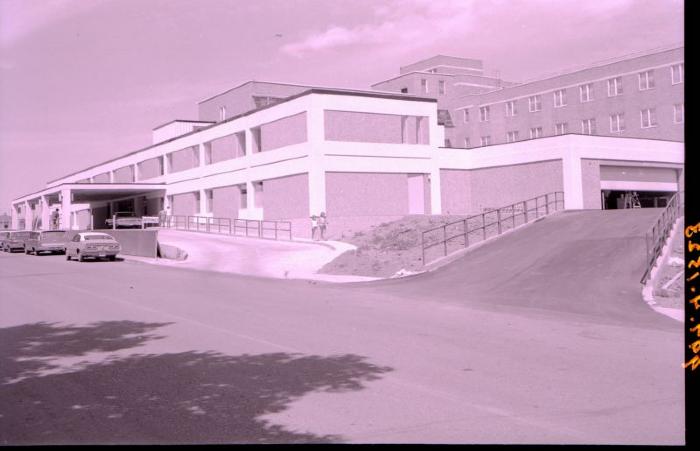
588, 126
210, 200
511, 109
677, 74
198, 204
485, 140
222, 113
448, 143
617, 123
559, 98
244, 196
466, 115
615, 87
646, 80
648, 117
512, 136
404, 90
561, 128
586, 92
467, 143
535, 103
484, 113
536, 132
424, 85
441, 87
678, 113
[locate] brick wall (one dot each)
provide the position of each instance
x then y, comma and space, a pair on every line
149, 168
184, 159
227, 201
124, 175
185, 204
472, 191
283, 132
374, 128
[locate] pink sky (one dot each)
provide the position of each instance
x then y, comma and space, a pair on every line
82, 81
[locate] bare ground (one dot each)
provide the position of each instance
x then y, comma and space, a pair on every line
669, 287
395, 247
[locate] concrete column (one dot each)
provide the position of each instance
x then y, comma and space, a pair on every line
250, 195
202, 155
111, 176
15, 217
573, 183
315, 131
27, 216
45, 214
66, 210
435, 191
135, 172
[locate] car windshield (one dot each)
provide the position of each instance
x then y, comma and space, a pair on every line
98, 236
124, 214
20, 235
53, 237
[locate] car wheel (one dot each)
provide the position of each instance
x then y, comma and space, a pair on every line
27, 251
67, 256
81, 258
112, 258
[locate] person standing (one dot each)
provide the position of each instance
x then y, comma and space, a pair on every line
55, 219
314, 226
322, 224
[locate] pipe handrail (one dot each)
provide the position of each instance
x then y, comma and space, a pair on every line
514, 210
230, 226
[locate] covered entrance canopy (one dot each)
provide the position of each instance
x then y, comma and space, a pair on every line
84, 205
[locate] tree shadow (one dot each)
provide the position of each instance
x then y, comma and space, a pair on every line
186, 397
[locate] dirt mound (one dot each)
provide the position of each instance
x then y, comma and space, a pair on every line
387, 248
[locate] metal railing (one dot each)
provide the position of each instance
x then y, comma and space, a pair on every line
229, 226
493, 222
657, 234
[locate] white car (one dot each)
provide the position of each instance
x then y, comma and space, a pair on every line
92, 245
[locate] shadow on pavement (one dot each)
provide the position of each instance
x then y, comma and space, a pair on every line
186, 397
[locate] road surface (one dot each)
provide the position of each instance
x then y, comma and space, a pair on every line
125, 352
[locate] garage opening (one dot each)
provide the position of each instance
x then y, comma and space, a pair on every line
616, 200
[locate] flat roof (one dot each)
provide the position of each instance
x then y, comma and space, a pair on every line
346, 92
98, 188
184, 120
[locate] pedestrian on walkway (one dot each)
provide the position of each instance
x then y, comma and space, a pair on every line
322, 223
55, 219
314, 226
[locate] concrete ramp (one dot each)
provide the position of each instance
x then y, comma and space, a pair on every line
578, 262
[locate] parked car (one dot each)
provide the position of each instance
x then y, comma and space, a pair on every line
14, 241
127, 219
92, 245
45, 241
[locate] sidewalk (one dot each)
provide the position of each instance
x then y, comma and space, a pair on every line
298, 259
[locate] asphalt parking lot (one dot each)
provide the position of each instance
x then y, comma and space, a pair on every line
125, 352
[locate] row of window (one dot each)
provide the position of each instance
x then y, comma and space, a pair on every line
588, 126
586, 93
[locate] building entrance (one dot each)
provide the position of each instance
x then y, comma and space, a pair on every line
616, 200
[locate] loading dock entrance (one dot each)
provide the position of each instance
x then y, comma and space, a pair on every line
617, 200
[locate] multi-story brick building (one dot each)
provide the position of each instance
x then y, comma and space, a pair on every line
638, 96
275, 151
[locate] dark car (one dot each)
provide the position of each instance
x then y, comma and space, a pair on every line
14, 241
45, 241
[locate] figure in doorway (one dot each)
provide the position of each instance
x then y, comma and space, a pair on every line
322, 224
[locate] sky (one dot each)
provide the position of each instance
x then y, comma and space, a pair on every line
83, 81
